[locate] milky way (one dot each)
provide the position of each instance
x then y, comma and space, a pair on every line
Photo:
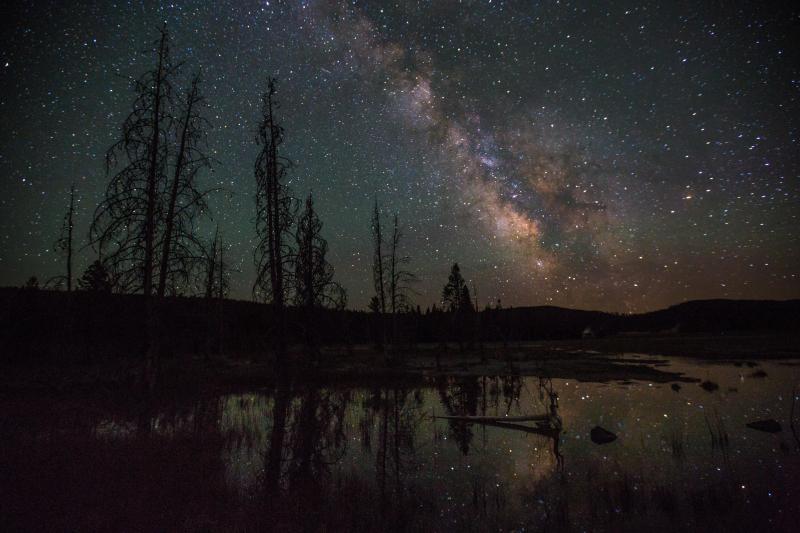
621, 157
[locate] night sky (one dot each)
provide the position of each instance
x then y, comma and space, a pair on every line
612, 156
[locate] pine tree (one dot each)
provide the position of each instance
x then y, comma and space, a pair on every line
456, 300
95, 278
455, 294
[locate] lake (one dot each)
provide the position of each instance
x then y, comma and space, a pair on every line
356, 458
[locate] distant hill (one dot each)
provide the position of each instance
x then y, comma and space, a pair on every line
717, 316
40, 323
697, 316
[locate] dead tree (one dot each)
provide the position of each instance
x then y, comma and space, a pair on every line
64, 244
185, 202
216, 285
211, 267
222, 293
215, 276
379, 271
314, 287
145, 226
124, 227
400, 279
274, 218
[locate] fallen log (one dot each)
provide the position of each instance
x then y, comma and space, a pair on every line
486, 419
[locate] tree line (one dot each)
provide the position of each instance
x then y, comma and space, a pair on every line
145, 230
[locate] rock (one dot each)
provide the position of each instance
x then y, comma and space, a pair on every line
602, 436
709, 386
675, 387
768, 426
758, 374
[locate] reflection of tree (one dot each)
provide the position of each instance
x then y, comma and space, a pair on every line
272, 462
553, 427
396, 414
459, 396
307, 436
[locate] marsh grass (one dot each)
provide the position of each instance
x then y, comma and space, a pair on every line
716, 430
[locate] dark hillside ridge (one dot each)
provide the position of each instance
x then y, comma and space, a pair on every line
49, 324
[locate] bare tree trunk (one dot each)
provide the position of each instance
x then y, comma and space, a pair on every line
151, 358
153, 174
275, 234
393, 280
378, 270
211, 265
273, 220
173, 197
70, 226
221, 297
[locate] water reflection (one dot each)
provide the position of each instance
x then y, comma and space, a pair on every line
457, 452
458, 396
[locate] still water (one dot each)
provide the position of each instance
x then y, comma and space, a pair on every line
381, 458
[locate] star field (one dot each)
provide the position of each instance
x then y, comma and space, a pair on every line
622, 157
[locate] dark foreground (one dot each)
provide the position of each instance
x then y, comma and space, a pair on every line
356, 450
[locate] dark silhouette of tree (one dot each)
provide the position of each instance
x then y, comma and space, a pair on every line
216, 272
181, 249
146, 223
378, 267
210, 267
274, 218
379, 270
125, 224
374, 304
95, 278
455, 295
400, 279
216, 283
64, 244
313, 275
477, 334
456, 300
32, 284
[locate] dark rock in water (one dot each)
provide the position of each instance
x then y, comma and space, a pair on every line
675, 387
751, 364
602, 436
738, 363
768, 426
758, 374
733, 389
709, 386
